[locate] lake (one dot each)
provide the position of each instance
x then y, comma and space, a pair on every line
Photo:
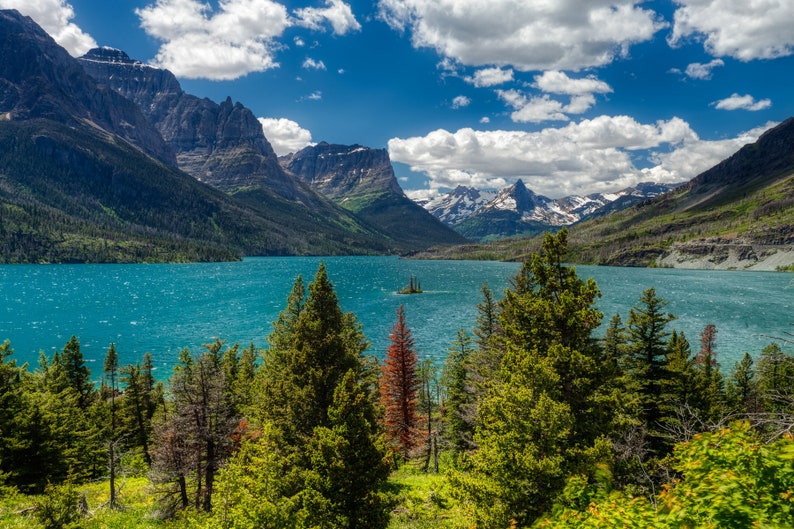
162, 309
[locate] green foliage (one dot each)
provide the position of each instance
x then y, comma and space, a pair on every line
729, 479
60, 507
538, 421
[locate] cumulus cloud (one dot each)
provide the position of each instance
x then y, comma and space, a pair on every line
311, 64
285, 135
490, 77
536, 109
745, 102
556, 82
237, 38
693, 157
697, 70
55, 17
460, 102
737, 28
578, 158
525, 35
337, 13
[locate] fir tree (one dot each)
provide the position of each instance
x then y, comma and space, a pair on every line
646, 362
460, 400
538, 421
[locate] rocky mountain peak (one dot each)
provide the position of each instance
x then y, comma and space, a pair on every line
220, 144
344, 170
39, 79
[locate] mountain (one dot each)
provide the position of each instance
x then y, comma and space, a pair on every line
40, 80
362, 180
223, 145
516, 211
85, 177
458, 205
737, 215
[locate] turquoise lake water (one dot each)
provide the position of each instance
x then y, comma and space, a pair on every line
162, 309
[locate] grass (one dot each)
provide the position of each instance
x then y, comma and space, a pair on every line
425, 500
136, 508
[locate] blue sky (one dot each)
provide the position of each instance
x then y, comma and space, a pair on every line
572, 96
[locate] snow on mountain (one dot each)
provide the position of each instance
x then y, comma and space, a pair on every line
458, 205
464, 202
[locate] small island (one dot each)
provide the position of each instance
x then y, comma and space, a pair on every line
414, 287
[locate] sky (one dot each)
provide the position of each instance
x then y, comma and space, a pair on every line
571, 96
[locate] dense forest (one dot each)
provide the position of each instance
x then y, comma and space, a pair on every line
532, 421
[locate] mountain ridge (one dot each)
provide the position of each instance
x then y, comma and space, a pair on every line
516, 210
738, 214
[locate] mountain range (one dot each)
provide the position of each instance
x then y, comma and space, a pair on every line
106, 159
517, 211
737, 215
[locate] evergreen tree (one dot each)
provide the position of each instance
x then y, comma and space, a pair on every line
399, 386
203, 420
309, 360
776, 380
349, 464
460, 399
538, 421
709, 381
742, 388
646, 363
111, 368
77, 374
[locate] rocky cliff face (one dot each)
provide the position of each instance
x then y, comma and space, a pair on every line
220, 144
39, 79
340, 171
362, 180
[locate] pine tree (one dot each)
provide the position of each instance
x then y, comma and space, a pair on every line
647, 360
310, 355
538, 421
399, 386
742, 388
460, 399
349, 464
111, 368
77, 374
709, 381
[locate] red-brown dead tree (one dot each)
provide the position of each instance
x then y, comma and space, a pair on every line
399, 388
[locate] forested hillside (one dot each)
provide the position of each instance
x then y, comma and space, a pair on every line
531, 422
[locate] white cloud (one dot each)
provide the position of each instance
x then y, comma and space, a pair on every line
198, 43
237, 38
694, 157
742, 29
537, 109
337, 13
697, 70
285, 135
55, 17
578, 158
542, 35
490, 77
317, 95
485, 119
460, 102
556, 82
532, 109
311, 64
745, 102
